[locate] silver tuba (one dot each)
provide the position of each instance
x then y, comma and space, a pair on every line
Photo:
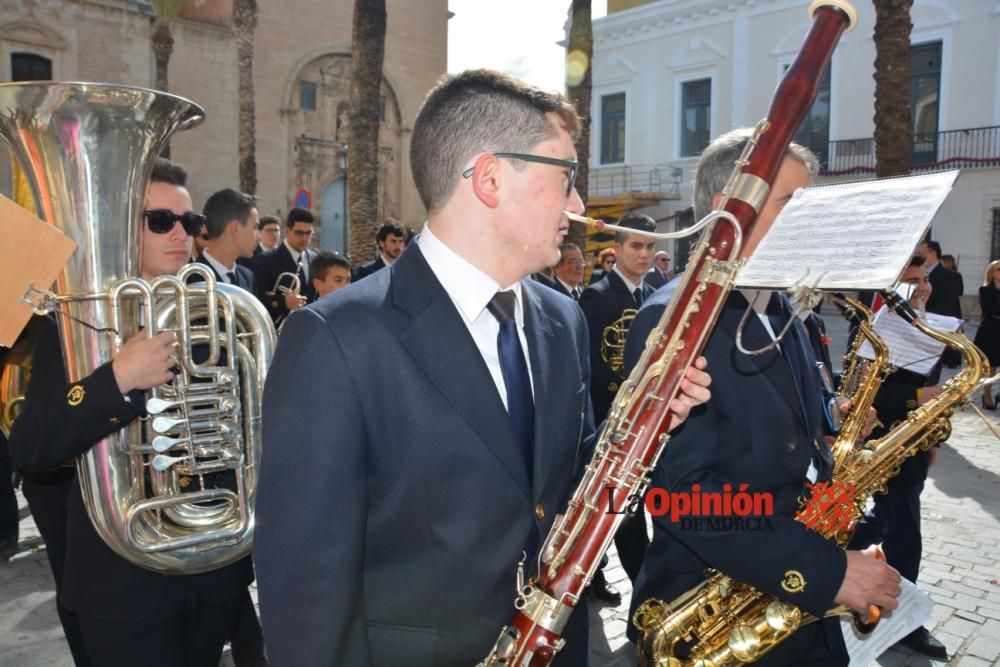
88, 151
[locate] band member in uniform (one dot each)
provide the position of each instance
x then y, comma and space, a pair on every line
127, 615
230, 225
763, 427
291, 256
390, 522
895, 519
609, 304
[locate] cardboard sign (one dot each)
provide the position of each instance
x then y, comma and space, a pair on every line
32, 253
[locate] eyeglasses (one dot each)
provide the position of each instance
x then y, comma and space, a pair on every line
572, 165
162, 220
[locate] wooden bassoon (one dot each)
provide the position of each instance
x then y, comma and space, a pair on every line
636, 430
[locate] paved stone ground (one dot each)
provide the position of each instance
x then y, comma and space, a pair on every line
960, 569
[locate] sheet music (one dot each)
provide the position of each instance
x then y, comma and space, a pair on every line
910, 348
856, 235
914, 611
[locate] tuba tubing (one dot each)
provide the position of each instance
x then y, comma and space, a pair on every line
88, 150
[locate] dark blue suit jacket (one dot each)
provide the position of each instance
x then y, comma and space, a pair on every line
603, 303
394, 502
244, 276
753, 431
97, 582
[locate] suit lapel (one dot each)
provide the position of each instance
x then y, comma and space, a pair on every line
441, 345
546, 338
201, 260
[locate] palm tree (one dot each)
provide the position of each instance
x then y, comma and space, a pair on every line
579, 56
245, 22
368, 51
892, 87
163, 43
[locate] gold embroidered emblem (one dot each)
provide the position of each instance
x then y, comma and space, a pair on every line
75, 395
793, 582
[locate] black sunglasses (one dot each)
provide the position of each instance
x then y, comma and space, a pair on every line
162, 221
572, 165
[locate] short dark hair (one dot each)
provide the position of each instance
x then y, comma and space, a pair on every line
165, 171
564, 248
225, 206
266, 220
935, 246
299, 215
634, 220
323, 261
474, 112
389, 228
917, 260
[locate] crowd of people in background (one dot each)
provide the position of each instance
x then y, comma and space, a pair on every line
359, 537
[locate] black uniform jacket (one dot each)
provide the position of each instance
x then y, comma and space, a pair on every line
267, 267
62, 420
603, 303
753, 431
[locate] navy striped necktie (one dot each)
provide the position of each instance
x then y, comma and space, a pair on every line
514, 367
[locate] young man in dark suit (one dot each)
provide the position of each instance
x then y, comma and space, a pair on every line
391, 240
231, 226
291, 256
762, 427
604, 303
127, 615
436, 427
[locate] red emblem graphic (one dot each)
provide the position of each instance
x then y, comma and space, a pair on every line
829, 509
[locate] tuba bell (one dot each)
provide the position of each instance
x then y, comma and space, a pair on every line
88, 152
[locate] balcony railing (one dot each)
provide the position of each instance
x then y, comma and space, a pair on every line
608, 180
974, 148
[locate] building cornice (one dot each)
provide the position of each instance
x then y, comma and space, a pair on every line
659, 19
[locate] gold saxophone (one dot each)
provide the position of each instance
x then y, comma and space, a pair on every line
723, 622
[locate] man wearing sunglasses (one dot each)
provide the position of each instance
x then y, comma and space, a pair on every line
433, 431
115, 613
291, 256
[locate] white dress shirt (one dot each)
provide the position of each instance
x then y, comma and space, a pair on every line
632, 287
295, 256
471, 291
570, 288
219, 268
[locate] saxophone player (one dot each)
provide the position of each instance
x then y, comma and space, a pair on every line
895, 519
124, 614
762, 427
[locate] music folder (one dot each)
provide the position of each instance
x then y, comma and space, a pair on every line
32, 254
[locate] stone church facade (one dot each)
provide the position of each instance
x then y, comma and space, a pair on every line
302, 68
